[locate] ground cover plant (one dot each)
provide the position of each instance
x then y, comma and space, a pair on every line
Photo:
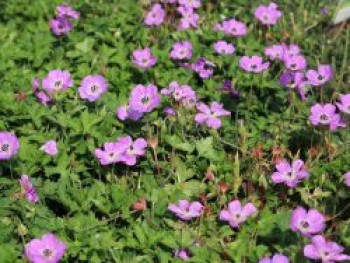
174, 130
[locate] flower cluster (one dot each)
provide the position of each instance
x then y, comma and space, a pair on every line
143, 99
61, 24
123, 150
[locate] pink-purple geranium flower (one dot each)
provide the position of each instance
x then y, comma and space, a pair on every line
60, 25
233, 28
325, 251
181, 50
268, 14
186, 210
43, 97
236, 214
134, 149
92, 87
144, 98
181, 93
254, 64
50, 147
28, 189
290, 174
222, 47
325, 115
344, 104
48, 249
321, 76
9, 145
67, 11
211, 115
190, 3
203, 67
182, 254
56, 81
308, 223
155, 16
347, 178
126, 112
144, 58
276, 258
275, 51
189, 18
295, 63
293, 79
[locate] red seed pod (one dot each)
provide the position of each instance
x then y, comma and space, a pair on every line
140, 205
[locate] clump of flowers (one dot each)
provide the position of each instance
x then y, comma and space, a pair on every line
222, 47
183, 94
9, 145
232, 27
210, 116
61, 24
143, 99
254, 64
143, 58
268, 14
155, 16
236, 214
308, 223
27, 189
321, 76
181, 50
124, 150
50, 147
276, 258
325, 115
290, 174
92, 87
325, 251
344, 104
186, 210
47, 249
57, 81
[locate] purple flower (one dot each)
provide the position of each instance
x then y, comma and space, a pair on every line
133, 149
344, 104
170, 111
203, 67
254, 64
321, 76
182, 254
236, 214
227, 87
222, 47
189, 18
48, 249
275, 51
67, 11
292, 50
295, 63
60, 25
42, 96
143, 58
9, 145
347, 178
288, 174
155, 16
28, 189
234, 28
56, 81
181, 50
112, 153
50, 147
325, 251
126, 112
268, 15
325, 115
144, 98
181, 93
92, 87
308, 223
186, 210
210, 115
277, 258
190, 3
293, 79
